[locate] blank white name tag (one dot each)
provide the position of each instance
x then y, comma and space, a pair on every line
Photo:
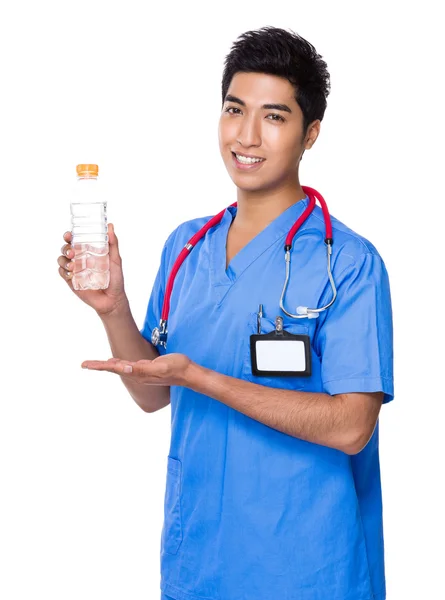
280, 354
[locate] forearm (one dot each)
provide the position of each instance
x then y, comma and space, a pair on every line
127, 343
315, 417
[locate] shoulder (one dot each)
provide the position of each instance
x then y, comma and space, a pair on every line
181, 234
185, 230
349, 248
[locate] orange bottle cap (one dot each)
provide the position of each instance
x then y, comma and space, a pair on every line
88, 170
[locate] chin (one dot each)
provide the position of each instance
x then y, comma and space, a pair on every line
249, 187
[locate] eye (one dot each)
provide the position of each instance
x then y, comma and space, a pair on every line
231, 108
276, 117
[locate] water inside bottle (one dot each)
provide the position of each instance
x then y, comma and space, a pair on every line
90, 245
91, 266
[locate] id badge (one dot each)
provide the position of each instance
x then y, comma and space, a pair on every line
280, 353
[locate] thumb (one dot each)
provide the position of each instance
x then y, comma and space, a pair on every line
113, 242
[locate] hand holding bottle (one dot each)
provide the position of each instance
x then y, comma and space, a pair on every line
104, 301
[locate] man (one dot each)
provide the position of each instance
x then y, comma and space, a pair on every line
273, 482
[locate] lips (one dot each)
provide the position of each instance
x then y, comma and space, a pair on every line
247, 155
244, 167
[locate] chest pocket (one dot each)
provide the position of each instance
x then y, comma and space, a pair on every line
291, 382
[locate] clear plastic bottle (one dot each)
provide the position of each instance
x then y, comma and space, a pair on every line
89, 232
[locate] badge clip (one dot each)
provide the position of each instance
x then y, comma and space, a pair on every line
279, 353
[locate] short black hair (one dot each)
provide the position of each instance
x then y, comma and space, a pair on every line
275, 51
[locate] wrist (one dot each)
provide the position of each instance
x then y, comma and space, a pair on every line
194, 376
121, 309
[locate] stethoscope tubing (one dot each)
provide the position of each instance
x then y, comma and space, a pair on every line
307, 312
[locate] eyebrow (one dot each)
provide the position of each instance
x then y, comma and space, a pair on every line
230, 98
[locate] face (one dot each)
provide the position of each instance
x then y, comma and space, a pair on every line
250, 124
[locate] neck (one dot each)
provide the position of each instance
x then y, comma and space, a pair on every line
255, 210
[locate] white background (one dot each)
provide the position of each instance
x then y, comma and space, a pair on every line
136, 88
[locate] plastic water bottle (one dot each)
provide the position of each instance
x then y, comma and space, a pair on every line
89, 231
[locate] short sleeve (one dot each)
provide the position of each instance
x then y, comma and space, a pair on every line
355, 338
154, 308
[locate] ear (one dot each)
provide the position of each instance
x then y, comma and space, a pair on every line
312, 134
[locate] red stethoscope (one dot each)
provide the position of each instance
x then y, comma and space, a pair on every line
159, 334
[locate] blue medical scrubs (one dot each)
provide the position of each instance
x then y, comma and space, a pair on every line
252, 513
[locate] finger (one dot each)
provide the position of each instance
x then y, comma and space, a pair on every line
64, 262
140, 367
67, 275
114, 243
66, 269
97, 365
117, 362
67, 250
113, 365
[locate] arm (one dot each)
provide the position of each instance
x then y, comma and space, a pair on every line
344, 421
126, 342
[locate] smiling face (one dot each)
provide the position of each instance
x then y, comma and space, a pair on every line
261, 118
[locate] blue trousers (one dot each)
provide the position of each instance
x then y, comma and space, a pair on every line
164, 597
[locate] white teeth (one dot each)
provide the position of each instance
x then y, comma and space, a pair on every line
247, 161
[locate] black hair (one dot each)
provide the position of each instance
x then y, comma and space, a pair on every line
275, 51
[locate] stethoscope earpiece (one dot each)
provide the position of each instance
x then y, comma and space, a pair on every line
304, 310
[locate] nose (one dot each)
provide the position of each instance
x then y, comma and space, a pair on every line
249, 132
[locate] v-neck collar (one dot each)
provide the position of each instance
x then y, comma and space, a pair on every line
277, 228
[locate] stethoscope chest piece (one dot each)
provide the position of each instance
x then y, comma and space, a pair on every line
155, 336
159, 334
280, 353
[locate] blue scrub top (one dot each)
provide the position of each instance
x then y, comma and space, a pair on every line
252, 513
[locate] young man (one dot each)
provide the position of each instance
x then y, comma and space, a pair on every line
273, 485
273, 482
